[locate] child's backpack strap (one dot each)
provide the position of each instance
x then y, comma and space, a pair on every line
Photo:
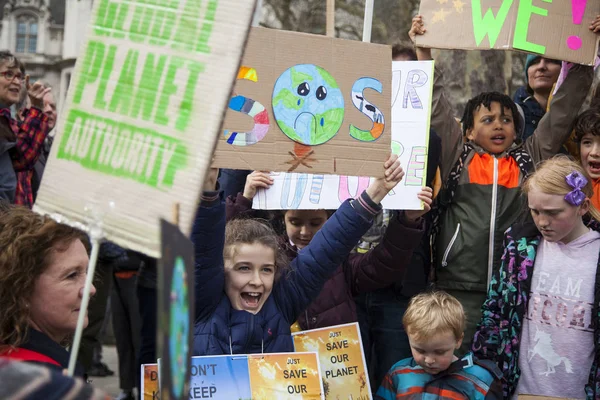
524, 160
490, 366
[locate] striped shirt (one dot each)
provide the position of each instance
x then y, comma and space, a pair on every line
467, 378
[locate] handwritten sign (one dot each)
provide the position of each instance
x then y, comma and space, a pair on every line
412, 85
552, 28
258, 376
342, 360
308, 103
149, 382
138, 129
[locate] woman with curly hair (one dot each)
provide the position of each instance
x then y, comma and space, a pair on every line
43, 268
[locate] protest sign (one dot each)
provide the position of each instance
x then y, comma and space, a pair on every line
412, 85
308, 103
220, 377
175, 311
554, 29
142, 115
342, 360
149, 382
257, 377
285, 375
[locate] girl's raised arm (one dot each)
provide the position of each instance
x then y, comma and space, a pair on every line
208, 235
330, 247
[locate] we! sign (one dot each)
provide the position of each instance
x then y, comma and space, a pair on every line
553, 28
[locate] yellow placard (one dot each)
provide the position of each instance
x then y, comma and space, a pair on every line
342, 360
149, 389
289, 376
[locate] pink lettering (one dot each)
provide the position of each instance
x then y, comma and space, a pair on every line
344, 190
578, 316
536, 302
561, 313
546, 316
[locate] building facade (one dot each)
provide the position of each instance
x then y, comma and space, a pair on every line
46, 35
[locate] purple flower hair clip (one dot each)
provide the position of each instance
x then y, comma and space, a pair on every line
577, 181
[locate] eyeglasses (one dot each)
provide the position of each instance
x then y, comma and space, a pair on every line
10, 75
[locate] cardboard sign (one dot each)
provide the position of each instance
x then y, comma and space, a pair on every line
149, 382
259, 376
308, 103
412, 86
555, 29
142, 115
175, 312
342, 359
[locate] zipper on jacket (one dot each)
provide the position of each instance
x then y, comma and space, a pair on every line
250, 334
492, 224
445, 258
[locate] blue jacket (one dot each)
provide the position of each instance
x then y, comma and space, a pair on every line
532, 110
219, 329
466, 378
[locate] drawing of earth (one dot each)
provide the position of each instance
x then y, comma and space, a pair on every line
308, 104
179, 326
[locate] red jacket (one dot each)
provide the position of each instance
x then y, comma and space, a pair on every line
30, 134
360, 273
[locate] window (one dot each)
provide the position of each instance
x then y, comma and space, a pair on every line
27, 32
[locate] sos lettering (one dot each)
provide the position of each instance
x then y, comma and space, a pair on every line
309, 89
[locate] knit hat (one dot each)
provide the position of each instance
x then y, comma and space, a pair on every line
531, 58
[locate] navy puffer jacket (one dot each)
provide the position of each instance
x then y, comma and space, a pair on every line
219, 329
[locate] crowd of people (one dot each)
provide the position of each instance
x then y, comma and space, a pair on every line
491, 291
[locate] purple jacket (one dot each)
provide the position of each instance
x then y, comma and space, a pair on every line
360, 273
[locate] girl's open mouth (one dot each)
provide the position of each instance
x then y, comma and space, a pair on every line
251, 299
594, 167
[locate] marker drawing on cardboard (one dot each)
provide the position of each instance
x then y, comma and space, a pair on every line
309, 109
411, 88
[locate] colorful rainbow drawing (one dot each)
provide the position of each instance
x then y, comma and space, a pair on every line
249, 107
248, 74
